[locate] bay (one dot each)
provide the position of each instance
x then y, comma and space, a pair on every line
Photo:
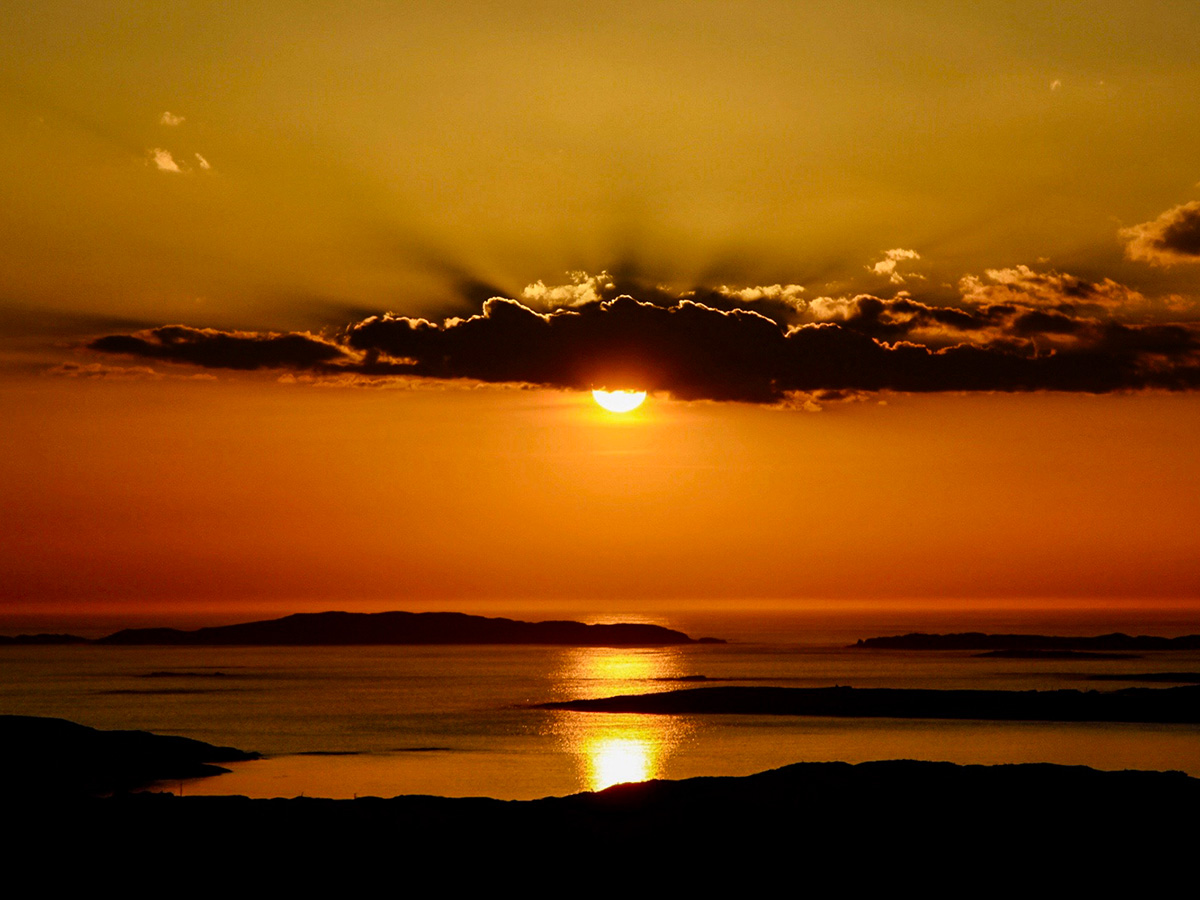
461, 721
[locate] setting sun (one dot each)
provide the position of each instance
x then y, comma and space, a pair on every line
299, 319
619, 401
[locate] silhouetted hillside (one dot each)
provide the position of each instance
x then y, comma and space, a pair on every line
824, 825
45, 757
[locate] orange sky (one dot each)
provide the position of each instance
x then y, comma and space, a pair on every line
249, 493
914, 288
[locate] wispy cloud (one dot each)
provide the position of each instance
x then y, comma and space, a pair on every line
784, 293
1022, 285
215, 349
103, 371
582, 288
891, 259
170, 119
164, 161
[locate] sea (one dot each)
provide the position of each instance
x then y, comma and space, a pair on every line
464, 720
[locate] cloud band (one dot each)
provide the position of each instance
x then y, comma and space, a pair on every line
693, 350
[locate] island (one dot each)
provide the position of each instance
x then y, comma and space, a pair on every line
1158, 705
975, 640
345, 628
384, 628
1054, 654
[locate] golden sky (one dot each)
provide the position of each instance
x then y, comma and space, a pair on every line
300, 303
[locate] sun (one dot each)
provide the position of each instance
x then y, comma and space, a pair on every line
619, 401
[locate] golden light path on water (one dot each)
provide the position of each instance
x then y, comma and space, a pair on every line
617, 760
617, 748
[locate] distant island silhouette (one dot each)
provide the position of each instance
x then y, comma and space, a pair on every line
974, 640
1054, 654
386, 628
1160, 705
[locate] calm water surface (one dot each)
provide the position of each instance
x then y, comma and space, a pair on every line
457, 721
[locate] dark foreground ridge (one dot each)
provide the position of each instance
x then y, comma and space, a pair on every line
45, 757
1166, 705
974, 640
827, 824
344, 628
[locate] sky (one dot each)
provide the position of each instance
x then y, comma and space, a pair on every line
301, 305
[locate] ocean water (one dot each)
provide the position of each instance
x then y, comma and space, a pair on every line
460, 721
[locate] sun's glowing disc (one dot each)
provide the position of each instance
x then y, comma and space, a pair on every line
619, 401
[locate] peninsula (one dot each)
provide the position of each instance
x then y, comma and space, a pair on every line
47, 758
1160, 705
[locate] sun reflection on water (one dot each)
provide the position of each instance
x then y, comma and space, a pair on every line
605, 671
617, 760
615, 748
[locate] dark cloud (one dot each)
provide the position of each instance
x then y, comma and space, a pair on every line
903, 317
1037, 321
725, 351
1174, 237
689, 349
224, 349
